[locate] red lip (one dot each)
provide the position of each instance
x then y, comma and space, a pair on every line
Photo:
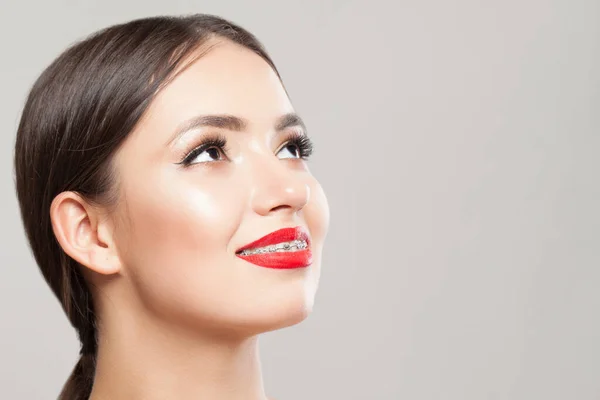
280, 260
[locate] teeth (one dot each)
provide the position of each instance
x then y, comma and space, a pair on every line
294, 245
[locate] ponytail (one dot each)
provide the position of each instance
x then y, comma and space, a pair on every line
79, 384
80, 310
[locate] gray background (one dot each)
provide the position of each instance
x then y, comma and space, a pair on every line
457, 142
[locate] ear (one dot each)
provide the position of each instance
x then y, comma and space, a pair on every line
83, 234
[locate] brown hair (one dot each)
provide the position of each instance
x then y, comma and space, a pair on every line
78, 112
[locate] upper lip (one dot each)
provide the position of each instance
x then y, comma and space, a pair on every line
279, 236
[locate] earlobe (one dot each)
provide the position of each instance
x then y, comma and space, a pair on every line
82, 234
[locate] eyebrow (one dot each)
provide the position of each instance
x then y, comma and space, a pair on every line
233, 123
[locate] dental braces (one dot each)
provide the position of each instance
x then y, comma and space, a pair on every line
280, 247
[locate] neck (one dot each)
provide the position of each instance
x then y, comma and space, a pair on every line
137, 361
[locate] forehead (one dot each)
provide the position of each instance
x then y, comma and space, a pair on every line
230, 79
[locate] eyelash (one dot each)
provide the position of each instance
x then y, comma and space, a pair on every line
209, 141
302, 142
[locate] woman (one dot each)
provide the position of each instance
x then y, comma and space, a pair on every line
162, 178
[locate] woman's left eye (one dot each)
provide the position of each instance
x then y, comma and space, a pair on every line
290, 150
297, 146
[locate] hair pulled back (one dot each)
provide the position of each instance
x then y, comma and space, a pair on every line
77, 114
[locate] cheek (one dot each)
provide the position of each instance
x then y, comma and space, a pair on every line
192, 218
177, 238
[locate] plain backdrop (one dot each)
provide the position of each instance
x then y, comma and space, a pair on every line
458, 144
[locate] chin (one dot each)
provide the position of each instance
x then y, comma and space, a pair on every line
282, 312
261, 303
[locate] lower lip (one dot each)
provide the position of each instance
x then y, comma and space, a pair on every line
280, 260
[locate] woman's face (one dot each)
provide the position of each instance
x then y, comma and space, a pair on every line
185, 213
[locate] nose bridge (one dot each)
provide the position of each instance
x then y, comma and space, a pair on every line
276, 185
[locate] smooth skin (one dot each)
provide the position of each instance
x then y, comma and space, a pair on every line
178, 312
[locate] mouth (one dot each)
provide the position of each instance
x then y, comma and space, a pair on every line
283, 249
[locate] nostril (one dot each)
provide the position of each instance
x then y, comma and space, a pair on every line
282, 206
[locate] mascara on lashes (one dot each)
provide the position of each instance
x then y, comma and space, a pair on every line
209, 141
303, 143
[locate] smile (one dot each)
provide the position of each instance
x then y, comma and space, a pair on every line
283, 249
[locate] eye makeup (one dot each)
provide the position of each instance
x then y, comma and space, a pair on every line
295, 142
209, 141
302, 142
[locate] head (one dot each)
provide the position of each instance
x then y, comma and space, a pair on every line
147, 155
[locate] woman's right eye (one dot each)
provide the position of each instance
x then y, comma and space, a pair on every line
212, 149
200, 156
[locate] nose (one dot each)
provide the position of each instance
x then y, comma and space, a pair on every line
279, 189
